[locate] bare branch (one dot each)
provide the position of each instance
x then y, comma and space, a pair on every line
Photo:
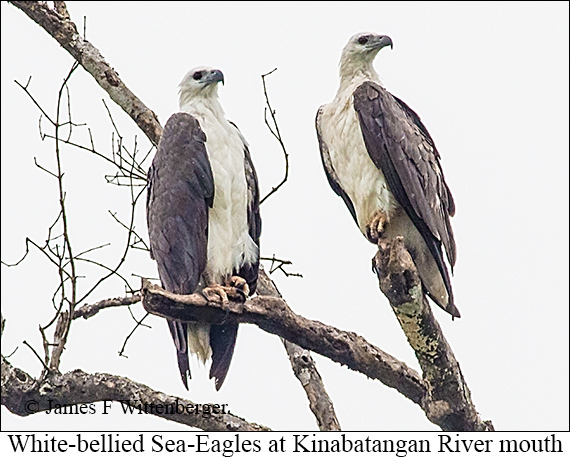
304, 368
279, 264
37, 355
25, 88
274, 129
64, 31
24, 395
307, 374
62, 328
43, 168
274, 316
87, 311
448, 402
139, 323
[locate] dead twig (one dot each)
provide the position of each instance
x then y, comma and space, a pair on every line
274, 129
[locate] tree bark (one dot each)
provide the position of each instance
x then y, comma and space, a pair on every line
24, 395
448, 402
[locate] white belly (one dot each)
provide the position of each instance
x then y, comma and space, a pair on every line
229, 243
359, 177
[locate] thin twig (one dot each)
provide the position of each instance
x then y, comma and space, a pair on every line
278, 264
139, 323
276, 133
37, 355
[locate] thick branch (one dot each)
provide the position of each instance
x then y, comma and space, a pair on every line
24, 395
274, 316
448, 403
304, 368
64, 30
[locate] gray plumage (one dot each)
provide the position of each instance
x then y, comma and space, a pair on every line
399, 144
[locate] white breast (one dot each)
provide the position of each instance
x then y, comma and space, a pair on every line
229, 243
359, 177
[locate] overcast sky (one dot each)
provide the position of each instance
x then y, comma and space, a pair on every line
490, 82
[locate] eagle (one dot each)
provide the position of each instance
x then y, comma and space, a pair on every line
380, 159
203, 217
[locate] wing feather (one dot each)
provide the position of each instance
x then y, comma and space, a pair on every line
180, 191
400, 145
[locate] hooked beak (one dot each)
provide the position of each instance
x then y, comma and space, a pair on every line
381, 41
215, 76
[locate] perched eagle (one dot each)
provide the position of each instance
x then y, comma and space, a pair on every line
380, 159
203, 216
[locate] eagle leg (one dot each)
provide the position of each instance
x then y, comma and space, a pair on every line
375, 226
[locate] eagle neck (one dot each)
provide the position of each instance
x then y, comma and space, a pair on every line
203, 107
349, 81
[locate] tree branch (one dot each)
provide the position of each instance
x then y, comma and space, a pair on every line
274, 129
87, 311
448, 402
304, 368
24, 395
274, 316
58, 24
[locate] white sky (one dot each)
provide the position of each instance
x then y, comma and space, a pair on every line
489, 80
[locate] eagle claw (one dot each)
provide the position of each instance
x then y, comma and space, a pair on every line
236, 289
240, 285
375, 226
215, 293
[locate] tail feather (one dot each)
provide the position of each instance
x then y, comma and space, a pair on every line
222, 342
179, 332
199, 340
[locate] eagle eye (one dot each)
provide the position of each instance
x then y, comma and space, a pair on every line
363, 40
197, 75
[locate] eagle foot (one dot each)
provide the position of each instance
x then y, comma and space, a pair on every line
236, 289
375, 226
240, 285
216, 293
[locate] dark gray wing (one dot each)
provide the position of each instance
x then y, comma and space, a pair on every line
180, 190
399, 144
329, 170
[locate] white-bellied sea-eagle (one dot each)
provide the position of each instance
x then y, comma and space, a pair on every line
203, 216
380, 159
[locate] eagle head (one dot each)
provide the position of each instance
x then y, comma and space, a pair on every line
200, 82
360, 51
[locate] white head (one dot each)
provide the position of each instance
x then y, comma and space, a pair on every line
359, 53
200, 82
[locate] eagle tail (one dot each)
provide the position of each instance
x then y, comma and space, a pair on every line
179, 332
222, 342
435, 248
